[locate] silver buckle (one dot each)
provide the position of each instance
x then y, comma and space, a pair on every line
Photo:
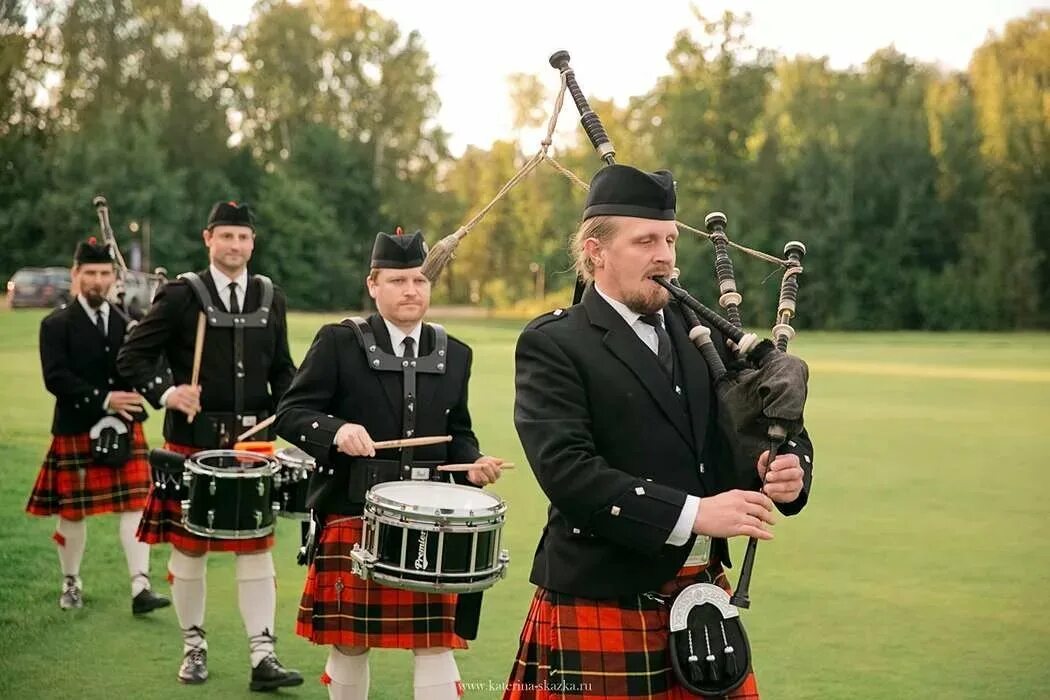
700, 554
420, 474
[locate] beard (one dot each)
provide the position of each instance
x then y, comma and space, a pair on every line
648, 299
94, 297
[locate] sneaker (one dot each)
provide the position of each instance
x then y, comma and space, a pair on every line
194, 669
72, 596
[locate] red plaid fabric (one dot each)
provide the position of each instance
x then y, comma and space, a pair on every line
72, 486
162, 520
614, 649
338, 607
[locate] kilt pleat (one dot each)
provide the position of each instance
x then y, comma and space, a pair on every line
338, 607
573, 647
71, 485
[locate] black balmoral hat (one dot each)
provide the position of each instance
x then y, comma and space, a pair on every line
91, 252
230, 214
620, 190
399, 251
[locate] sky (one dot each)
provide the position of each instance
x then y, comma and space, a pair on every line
619, 49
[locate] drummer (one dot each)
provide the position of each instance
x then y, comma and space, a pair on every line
390, 376
237, 388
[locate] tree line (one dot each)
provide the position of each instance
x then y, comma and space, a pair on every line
922, 194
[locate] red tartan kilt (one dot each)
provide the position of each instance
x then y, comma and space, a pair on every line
613, 649
338, 607
162, 521
72, 486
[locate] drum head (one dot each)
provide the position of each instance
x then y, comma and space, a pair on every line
231, 464
434, 498
294, 457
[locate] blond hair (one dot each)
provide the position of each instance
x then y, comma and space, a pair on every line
602, 228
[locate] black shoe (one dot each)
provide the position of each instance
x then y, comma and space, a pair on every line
271, 675
147, 601
194, 669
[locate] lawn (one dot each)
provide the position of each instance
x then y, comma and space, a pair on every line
917, 571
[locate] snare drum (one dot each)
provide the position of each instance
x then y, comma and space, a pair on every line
431, 537
292, 481
230, 494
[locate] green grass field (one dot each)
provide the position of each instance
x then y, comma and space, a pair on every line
919, 570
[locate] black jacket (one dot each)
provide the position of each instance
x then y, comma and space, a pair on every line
168, 331
335, 385
616, 449
80, 366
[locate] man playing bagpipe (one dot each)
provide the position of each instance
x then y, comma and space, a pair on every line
616, 412
244, 367
97, 460
364, 380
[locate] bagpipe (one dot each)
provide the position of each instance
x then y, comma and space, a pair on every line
157, 279
761, 394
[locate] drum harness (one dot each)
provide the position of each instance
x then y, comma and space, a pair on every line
219, 318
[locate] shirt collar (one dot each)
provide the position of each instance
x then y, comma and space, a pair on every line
629, 316
104, 308
222, 281
397, 336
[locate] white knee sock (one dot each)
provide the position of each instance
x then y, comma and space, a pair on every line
136, 553
189, 594
71, 537
436, 675
257, 596
348, 675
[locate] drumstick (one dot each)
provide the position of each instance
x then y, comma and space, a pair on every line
468, 467
198, 351
256, 428
412, 442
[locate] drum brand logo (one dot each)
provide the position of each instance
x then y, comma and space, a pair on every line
421, 557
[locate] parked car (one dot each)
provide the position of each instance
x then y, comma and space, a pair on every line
40, 287
50, 286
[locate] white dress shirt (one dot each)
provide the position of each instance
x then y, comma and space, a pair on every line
397, 337
92, 313
222, 284
647, 334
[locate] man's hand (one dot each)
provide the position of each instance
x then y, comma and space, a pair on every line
352, 439
488, 469
185, 398
782, 479
735, 513
125, 403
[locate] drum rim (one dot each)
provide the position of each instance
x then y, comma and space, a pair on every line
222, 533
308, 462
269, 465
453, 524
432, 587
379, 502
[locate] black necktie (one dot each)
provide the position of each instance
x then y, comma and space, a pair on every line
234, 306
410, 346
663, 352
100, 323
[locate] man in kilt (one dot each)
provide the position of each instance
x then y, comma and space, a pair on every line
615, 411
97, 460
244, 368
359, 383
